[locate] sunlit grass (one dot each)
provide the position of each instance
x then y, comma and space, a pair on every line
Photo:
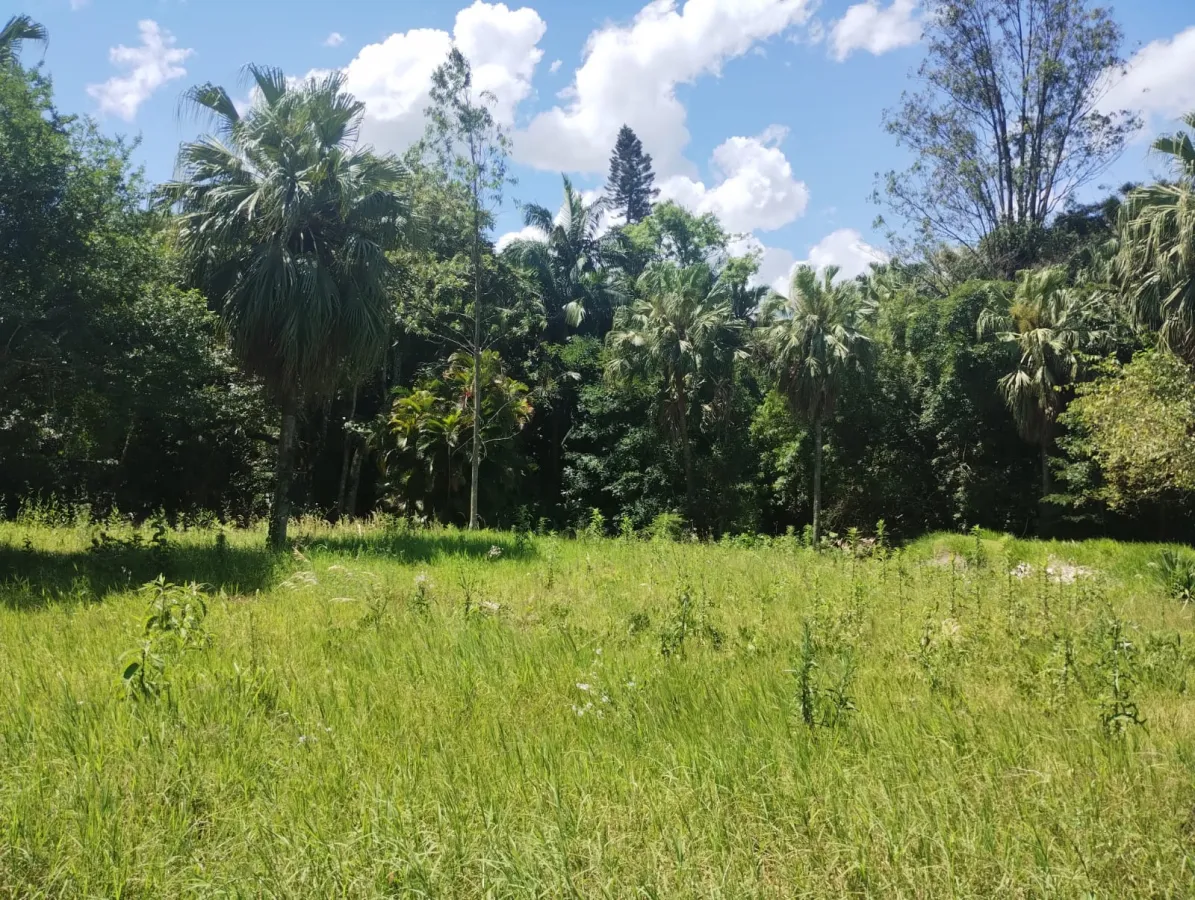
398, 713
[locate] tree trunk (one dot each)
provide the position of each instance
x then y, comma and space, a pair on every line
1046, 486
350, 503
283, 474
349, 444
817, 480
686, 449
475, 460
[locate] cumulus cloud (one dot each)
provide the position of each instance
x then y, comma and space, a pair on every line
555, 67
630, 74
393, 77
1159, 81
844, 248
530, 233
868, 27
335, 39
756, 190
149, 66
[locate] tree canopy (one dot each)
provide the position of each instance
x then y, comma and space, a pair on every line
299, 324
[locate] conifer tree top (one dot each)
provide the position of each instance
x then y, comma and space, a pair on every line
631, 186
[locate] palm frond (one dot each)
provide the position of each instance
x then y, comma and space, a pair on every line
16, 31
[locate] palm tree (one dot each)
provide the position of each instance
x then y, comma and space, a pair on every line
677, 331
285, 223
565, 264
1047, 324
814, 338
16, 31
573, 291
1157, 248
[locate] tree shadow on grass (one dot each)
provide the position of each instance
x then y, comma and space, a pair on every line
31, 578
414, 546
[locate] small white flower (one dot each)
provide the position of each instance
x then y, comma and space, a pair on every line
421, 578
598, 651
631, 684
605, 698
495, 552
582, 686
302, 739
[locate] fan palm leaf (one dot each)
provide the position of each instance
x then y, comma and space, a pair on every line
676, 331
813, 338
1156, 260
285, 223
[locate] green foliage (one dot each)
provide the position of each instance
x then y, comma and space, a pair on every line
564, 266
1118, 709
115, 386
1049, 326
813, 339
666, 526
675, 336
1004, 124
174, 626
643, 371
823, 684
1177, 570
1134, 426
1156, 261
299, 276
431, 427
673, 234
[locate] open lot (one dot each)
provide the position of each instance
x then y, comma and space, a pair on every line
392, 712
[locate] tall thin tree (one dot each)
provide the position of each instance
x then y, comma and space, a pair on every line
474, 149
813, 338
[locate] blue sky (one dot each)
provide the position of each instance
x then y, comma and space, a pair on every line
766, 112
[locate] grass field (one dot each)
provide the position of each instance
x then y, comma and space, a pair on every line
432, 713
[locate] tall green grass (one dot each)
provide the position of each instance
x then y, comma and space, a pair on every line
434, 713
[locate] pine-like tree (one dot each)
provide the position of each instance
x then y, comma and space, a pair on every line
632, 182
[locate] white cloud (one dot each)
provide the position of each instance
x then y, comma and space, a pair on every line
868, 27
335, 39
776, 265
79, 4
393, 77
756, 190
530, 233
555, 67
630, 74
149, 66
1160, 80
844, 248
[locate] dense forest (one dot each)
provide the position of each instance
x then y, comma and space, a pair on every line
297, 324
